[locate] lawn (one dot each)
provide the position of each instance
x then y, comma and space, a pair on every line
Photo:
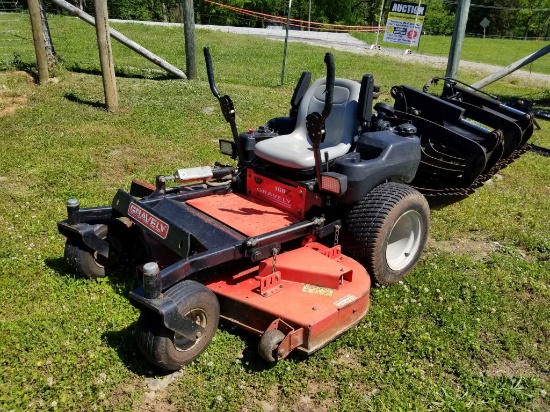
499, 52
468, 329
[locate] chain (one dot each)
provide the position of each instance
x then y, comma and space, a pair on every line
336, 234
274, 251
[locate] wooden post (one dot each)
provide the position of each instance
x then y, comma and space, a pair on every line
38, 37
106, 55
189, 32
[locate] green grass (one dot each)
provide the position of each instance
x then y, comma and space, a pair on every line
499, 52
469, 329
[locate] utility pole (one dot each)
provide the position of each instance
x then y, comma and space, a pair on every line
459, 31
189, 32
38, 37
106, 55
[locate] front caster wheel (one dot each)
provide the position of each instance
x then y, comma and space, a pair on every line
168, 349
387, 230
88, 262
269, 342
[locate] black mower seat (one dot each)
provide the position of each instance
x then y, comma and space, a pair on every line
294, 150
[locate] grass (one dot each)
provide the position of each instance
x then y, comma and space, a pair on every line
499, 52
468, 330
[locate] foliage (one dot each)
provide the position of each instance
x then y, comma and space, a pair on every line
440, 18
509, 18
467, 330
519, 20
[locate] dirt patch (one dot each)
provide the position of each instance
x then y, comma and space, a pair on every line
10, 103
306, 401
510, 368
477, 249
156, 395
155, 402
348, 358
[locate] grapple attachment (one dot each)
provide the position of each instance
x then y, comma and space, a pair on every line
466, 136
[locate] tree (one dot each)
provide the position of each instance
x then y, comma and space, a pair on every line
439, 18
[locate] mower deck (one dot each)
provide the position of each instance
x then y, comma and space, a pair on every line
311, 294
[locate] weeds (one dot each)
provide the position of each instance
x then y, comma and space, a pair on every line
467, 330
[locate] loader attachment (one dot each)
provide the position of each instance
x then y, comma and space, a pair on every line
466, 136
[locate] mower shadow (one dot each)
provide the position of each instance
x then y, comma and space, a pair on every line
124, 343
440, 202
251, 360
125, 280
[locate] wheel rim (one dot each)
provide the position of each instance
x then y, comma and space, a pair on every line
404, 240
199, 317
115, 248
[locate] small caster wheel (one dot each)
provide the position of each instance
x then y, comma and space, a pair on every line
269, 342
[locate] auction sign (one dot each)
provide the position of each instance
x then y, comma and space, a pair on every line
404, 23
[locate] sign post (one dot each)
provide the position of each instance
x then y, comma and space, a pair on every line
484, 23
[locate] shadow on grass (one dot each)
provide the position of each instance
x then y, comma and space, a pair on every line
124, 342
75, 99
130, 73
251, 360
60, 266
124, 279
440, 202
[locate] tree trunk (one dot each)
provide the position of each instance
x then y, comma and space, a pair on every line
50, 51
164, 12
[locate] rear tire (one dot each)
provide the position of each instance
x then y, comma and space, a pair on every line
387, 231
166, 348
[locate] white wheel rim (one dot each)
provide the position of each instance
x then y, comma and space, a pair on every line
183, 344
404, 240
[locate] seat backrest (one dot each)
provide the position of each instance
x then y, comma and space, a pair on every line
341, 125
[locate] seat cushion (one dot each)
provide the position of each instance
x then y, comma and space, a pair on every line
294, 150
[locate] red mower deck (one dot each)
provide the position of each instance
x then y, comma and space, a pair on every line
314, 294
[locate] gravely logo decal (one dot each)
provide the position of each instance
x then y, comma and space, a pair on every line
279, 199
148, 220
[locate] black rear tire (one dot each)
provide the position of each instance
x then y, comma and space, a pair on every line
167, 349
387, 231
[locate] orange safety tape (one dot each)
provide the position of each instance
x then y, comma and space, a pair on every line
297, 22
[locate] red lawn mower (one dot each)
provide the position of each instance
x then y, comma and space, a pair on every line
281, 245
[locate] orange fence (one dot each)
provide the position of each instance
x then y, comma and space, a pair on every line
296, 22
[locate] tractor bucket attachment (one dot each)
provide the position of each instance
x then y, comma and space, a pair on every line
466, 136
